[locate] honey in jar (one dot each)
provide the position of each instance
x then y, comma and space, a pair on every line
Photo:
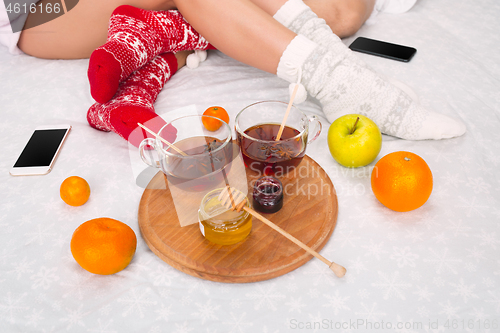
220, 225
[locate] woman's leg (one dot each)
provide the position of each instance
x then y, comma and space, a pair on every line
80, 31
342, 84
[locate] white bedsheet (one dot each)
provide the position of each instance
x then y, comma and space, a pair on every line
435, 269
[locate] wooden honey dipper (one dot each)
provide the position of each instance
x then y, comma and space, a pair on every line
232, 199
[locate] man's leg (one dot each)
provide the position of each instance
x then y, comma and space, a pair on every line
334, 75
344, 17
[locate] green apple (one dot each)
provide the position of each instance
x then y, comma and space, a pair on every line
354, 140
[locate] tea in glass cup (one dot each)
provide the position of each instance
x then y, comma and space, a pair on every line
200, 154
257, 128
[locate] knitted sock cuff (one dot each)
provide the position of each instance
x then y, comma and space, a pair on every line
293, 58
290, 11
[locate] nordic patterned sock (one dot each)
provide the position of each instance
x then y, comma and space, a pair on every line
135, 36
133, 102
298, 17
344, 86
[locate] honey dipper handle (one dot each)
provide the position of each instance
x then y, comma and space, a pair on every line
290, 103
336, 268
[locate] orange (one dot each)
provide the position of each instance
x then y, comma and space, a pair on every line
402, 181
214, 124
103, 245
75, 191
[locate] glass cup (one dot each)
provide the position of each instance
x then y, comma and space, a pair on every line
257, 127
201, 154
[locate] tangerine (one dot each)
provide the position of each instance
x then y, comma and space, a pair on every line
103, 245
212, 124
75, 191
402, 181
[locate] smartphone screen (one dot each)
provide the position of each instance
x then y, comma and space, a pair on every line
383, 49
41, 148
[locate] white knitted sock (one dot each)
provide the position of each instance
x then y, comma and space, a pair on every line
298, 17
344, 84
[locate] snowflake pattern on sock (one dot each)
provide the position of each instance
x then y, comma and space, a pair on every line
344, 87
135, 36
134, 100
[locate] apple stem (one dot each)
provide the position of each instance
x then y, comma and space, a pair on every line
354, 127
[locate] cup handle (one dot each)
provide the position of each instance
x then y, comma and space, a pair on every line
317, 128
147, 142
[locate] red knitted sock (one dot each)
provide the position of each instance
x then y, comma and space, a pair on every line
136, 36
133, 102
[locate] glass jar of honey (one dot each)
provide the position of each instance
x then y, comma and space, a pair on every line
220, 225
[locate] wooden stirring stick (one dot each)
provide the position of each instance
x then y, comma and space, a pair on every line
162, 139
280, 132
235, 200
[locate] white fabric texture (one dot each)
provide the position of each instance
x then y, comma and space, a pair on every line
390, 7
394, 6
437, 266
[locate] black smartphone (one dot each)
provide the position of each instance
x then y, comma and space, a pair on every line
41, 151
383, 49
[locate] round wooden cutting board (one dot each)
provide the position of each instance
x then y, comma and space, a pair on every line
309, 213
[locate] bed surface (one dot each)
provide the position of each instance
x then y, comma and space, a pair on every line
437, 265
